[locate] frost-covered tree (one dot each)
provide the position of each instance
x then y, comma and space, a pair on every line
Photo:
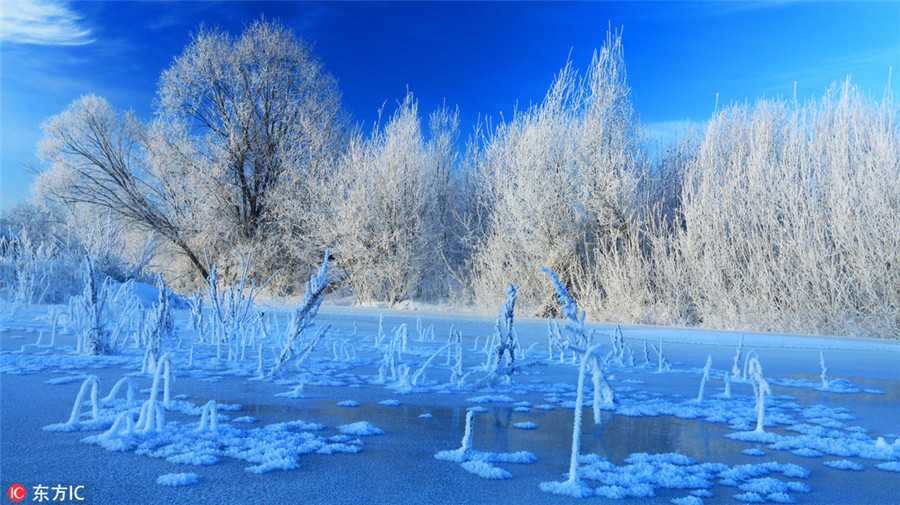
242, 124
252, 122
390, 217
97, 157
559, 182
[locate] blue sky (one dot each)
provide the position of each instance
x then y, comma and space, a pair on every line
484, 57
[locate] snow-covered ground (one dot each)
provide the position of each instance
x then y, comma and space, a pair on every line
358, 423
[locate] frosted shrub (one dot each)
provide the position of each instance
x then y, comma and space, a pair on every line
94, 338
232, 306
26, 270
790, 216
502, 345
42, 245
196, 307
158, 328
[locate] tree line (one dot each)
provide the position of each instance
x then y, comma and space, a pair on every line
776, 215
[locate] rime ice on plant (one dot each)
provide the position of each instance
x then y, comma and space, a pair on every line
94, 338
577, 338
302, 319
824, 370
705, 378
501, 360
158, 328
232, 307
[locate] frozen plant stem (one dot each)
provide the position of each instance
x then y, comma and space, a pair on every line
469, 433
659, 351
705, 377
576, 427
260, 370
750, 355
132, 387
150, 407
302, 319
94, 382
601, 388
762, 389
735, 369
209, 417
55, 313
380, 330
420, 373
824, 370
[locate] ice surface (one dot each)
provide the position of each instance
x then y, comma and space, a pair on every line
491, 399
267, 436
687, 500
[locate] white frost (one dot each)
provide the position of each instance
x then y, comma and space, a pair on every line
177, 479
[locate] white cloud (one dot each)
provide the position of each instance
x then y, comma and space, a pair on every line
42, 22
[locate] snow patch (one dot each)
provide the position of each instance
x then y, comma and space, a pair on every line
893, 466
177, 479
844, 464
360, 429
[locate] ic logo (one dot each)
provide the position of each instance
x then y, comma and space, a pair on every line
16, 492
